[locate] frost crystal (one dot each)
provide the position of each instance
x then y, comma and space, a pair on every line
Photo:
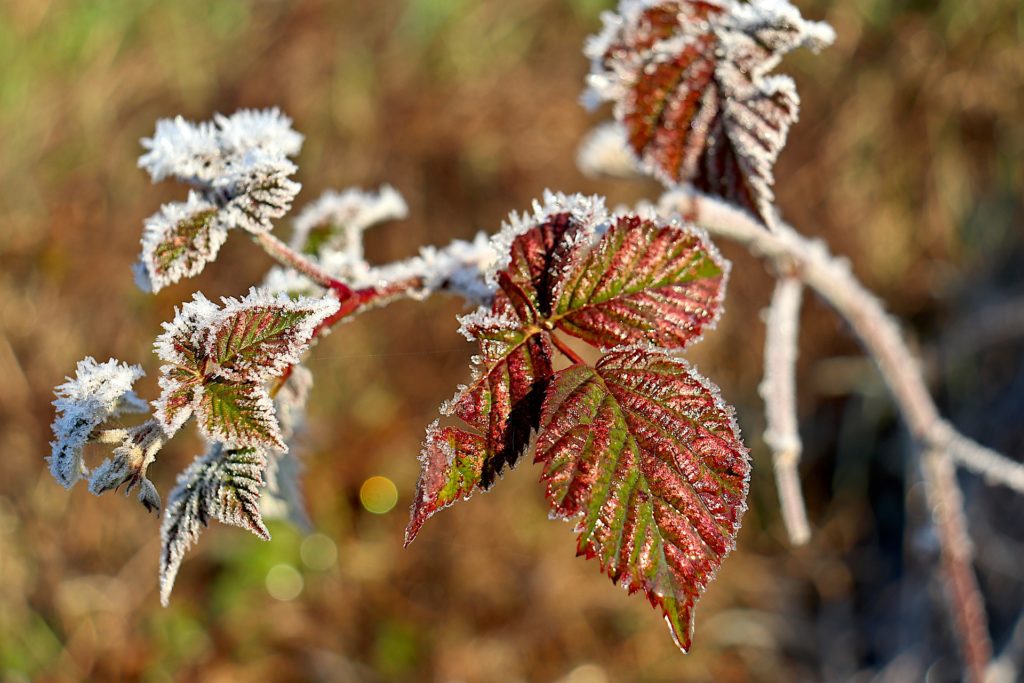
99, 392
266, 129
182, 149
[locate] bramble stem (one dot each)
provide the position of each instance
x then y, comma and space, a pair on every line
778, 389
287, 256
831, 278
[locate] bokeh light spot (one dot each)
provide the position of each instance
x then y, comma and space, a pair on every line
284, 582
378, 495
318, 552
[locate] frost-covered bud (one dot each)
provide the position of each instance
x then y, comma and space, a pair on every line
200, 153
129, 464
98, 392
266, 129
184, 150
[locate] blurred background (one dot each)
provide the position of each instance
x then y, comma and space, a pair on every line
907, 159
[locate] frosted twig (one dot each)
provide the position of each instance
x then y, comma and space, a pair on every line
831, 278
293, 259
993, 467
778, 389
962, 593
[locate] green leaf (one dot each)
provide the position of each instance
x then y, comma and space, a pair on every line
642, 451
218, 360
250, 340
239, 413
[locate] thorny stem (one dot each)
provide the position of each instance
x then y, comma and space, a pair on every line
831, 278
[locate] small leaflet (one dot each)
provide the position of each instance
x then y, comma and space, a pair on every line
178, 242
98, 393
129, 463
218, 359
238, 169
224, 485
689, 81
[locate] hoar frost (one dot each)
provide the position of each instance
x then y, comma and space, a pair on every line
98, 392
239, 170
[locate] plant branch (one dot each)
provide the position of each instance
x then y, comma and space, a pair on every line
778, 389
961, 585
287, 256
831, 278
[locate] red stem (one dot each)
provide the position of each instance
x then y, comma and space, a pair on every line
566, 350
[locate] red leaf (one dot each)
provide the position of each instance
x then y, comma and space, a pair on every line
688, 80
644, 453
642, 283
639, 282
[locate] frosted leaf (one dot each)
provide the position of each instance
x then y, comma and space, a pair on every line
688, 80
98, 392
224, 485
239, 168
588, 214
178, 241
129, 464
336, 220
239, 413
605, 152
184, 150
643, 453
218, 359
255, 191
265, 129
200, 153
570, 268
260, 335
